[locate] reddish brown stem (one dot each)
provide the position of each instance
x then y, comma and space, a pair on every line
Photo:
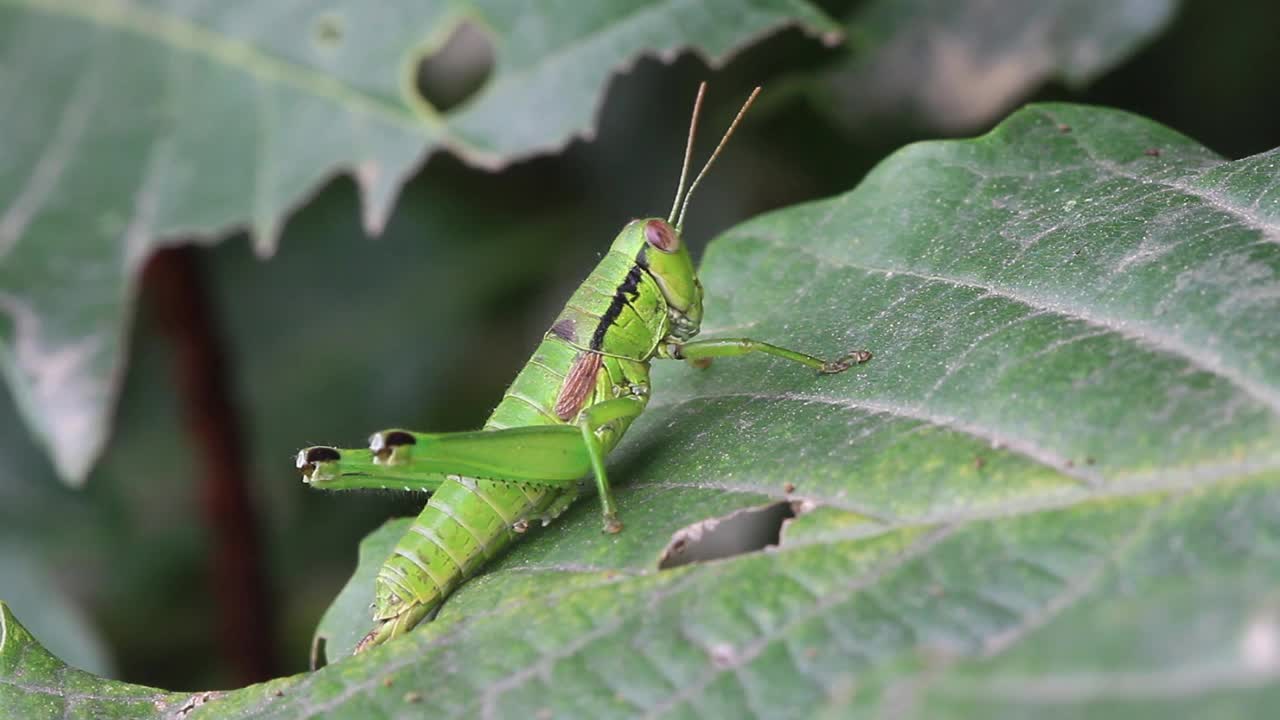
175, 290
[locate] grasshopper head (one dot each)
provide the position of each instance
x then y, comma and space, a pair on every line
664, 254
667, 259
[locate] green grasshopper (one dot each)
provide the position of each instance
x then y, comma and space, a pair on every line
568, 408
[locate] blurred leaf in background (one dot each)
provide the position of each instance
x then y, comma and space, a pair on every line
955, 67
1203, 76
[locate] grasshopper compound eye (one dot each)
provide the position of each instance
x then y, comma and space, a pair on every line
661, 236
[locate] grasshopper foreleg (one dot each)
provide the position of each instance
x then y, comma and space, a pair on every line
591, 421
700, 352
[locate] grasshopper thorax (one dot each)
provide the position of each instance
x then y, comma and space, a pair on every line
660, 252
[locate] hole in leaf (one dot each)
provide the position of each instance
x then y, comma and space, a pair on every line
742, 531
458, 69
318, 657
327, 31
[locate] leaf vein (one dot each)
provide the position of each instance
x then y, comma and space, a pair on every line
838, 595
1023, 446
1199, 356
187, 36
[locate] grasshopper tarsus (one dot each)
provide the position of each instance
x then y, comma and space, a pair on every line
612, 526
832, 367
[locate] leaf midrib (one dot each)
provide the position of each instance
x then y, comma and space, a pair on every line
1094, 484
1200, 356
1040, 455
187, 36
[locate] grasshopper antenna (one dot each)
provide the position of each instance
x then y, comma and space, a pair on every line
727, 134
688, 151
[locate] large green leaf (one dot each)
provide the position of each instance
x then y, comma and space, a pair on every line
129, 124
1054, 492
957, 66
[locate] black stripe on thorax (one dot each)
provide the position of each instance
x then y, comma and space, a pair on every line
628, 286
